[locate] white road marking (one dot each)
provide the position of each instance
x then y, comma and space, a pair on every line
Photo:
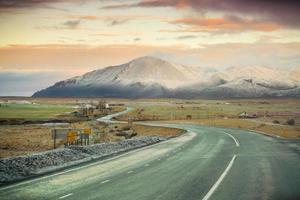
129, 172
67, 195
234, 139
216, 185
105, 181
85, 166
146, 165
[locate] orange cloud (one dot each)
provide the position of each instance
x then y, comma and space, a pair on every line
88, 17
73, 58
77, 59
230, 23
286, 13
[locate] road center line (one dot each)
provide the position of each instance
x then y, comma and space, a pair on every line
105, 181
216, 185
129, 172
67, 195
234, 139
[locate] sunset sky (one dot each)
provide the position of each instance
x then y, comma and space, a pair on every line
44, 41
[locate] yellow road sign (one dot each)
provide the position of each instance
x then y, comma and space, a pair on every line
87, 131
72, 136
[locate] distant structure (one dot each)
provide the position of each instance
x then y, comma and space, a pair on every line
189, 117
247, 115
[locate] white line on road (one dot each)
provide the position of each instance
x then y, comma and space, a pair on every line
234, 139
215, 186
129, 172
146, 165
67, 195
105, 181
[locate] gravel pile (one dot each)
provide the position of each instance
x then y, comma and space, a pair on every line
16, 168
104, 149
21, 167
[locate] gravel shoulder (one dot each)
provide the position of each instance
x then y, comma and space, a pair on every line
18, 168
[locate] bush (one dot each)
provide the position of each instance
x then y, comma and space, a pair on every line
290, 122
276, 122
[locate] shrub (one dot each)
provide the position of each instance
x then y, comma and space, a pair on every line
276, 121
290, 122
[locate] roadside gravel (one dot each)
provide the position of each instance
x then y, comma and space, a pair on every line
22, 167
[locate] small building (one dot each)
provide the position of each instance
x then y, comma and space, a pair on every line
247, 115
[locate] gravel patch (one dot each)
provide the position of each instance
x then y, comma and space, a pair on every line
21, 167
104, 149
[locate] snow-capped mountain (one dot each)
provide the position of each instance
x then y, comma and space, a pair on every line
152, 77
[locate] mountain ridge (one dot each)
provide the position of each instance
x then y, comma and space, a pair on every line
150, 77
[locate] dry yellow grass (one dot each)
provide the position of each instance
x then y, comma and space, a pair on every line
20, 140
141, 130
223, 113
286, 131
27, 139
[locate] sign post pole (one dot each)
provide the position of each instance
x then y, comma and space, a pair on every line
54, 138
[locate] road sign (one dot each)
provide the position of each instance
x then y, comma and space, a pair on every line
72, 136
87, 131
60, 133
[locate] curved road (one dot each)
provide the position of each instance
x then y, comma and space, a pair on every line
206, 163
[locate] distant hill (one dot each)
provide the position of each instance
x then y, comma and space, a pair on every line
149, 77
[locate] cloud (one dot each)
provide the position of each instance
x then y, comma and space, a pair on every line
184, 37
227, 23
86, 17
283, 12
71, 24
20, 4
83, 58
118, 22
24, 83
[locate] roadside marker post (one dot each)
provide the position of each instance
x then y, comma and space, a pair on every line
54, 138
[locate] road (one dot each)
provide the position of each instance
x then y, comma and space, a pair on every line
206, 163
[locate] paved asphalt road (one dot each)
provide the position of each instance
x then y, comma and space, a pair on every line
207, 163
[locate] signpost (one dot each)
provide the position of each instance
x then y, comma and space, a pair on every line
86, 136
71, 136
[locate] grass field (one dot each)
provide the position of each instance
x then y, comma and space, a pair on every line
26, 139
32, 111
223, 113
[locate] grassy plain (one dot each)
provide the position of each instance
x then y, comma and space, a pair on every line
223, 113
30, 138
24, 139
33, 111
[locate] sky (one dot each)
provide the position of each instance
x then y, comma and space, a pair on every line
45, 41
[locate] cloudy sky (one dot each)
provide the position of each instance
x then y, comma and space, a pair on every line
43, 41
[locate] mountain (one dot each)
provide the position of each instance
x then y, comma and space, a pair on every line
149, 77
254, 81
